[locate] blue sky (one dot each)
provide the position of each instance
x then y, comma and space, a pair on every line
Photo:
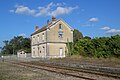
94, 18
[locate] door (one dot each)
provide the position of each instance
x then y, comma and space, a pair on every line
61, 52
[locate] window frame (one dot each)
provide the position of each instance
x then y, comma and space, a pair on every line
60, 26
33, 40
43, 37
38, 38
60, 34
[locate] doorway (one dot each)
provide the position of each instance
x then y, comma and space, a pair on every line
61, 52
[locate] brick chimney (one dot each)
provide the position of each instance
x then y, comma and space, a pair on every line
48, 22
53, 19
37, 28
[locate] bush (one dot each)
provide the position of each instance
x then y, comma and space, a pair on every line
103, 47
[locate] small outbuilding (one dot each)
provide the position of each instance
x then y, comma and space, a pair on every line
21, 53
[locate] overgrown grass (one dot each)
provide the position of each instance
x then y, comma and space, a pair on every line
13, 72
10, 72
107, 62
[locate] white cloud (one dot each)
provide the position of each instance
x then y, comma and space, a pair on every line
90, 23
22, 34
113, 31
20, 9
105, 28
59, 10
93, 19
44, 10
51, 9
62, 11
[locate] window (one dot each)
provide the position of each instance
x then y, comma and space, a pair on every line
38, 39
60, 34
33, 40
34, 37
60, 26
43, 49
43, 36
38, 51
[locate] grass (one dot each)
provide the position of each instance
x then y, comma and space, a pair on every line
13, 72
10, 72
108, 62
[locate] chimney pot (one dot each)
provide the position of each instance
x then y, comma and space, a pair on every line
53, 19
37, 28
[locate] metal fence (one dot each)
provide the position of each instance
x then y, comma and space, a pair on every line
28, 58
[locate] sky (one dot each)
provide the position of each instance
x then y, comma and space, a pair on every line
94, 18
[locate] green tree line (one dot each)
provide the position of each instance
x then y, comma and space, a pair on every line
15, 44
104, 47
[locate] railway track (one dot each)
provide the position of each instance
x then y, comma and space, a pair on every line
78, 73
91, 71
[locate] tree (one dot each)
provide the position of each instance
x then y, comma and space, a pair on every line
77, 35
16, 44
87, 37
97, 47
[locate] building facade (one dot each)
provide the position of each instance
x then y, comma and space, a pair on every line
50, 40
